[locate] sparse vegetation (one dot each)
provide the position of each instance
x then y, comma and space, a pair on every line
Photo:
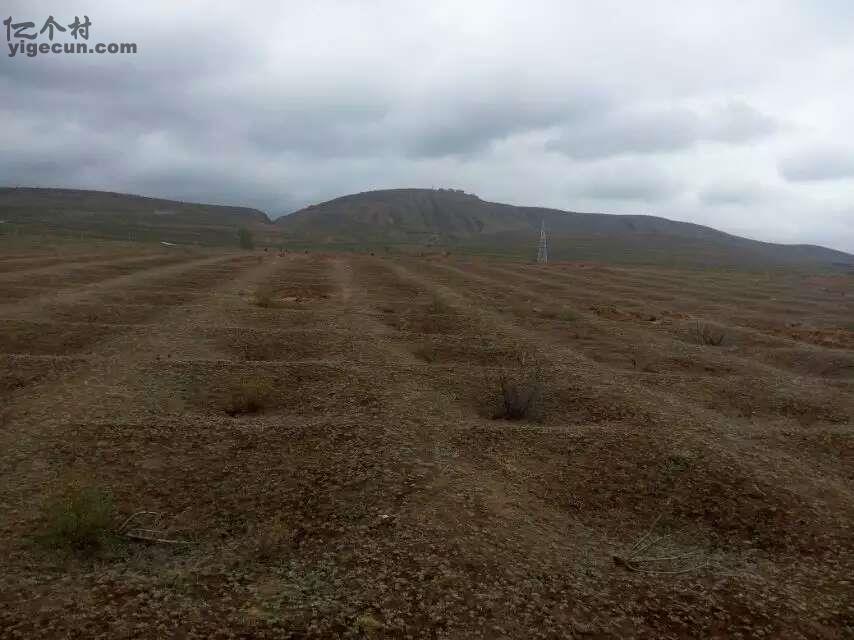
567, 315
263, 297
79, 518
560, 312
335, 500
369, 625
251, 396
707, 335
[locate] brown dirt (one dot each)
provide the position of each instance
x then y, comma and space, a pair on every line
370, 493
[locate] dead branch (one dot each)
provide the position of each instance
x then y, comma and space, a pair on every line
679, 557
136, 515
631, 567
643, 552
132, 535
147, 535
637, 544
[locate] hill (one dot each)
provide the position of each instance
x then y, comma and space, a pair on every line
454, 219
123, 216
410, 219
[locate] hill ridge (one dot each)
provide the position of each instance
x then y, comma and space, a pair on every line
6, 193
451, 219
456, 217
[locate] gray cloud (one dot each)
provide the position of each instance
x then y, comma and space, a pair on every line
818, 164
731, 194
633, 182
281, 104
738, 122
462, 123
657, 130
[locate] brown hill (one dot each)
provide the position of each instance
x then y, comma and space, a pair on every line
453, 218
119, 215
439, 218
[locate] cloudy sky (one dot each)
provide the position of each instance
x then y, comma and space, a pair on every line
735, 114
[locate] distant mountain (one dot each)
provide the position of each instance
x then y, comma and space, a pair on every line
119, 215
431, 219
452, 218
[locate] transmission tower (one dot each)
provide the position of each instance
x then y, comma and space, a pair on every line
543, 247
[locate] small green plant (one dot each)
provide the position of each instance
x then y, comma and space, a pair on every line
80, 517
707, 335
249, 397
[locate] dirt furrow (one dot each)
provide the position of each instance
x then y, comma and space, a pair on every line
707, 426
736, 316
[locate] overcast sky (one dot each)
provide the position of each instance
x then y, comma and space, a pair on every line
734, 114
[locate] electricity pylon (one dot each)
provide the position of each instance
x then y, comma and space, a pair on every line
543, 248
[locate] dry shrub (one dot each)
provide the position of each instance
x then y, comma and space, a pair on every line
251, 396
80, 517
369, 626
707, 335
520, 388
435, 316
437, 306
